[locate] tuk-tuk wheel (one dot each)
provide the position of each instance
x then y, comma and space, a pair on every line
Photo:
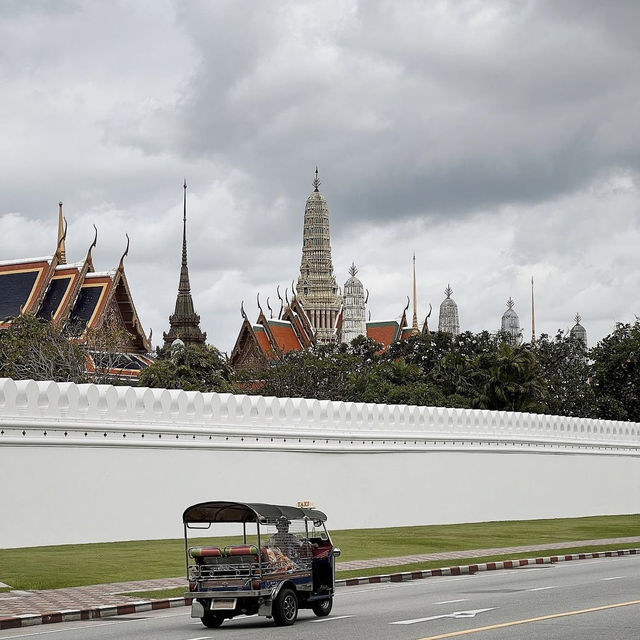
322, 607
211, 620
285, 608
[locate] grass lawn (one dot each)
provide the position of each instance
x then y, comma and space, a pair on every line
77, 565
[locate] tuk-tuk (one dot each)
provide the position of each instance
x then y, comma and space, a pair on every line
264, 559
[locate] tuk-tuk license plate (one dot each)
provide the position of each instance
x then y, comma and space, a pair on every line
228, 604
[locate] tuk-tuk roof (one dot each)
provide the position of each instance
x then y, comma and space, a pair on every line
247, 512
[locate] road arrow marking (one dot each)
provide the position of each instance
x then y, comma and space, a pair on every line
456, 614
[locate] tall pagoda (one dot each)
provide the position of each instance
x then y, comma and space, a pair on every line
354, 322
317, 290
448, 321
185, 322
511, 322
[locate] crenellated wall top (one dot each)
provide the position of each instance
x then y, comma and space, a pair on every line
26, 401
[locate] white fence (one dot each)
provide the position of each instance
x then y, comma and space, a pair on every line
83, 463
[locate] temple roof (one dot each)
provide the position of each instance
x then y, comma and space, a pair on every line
72, 296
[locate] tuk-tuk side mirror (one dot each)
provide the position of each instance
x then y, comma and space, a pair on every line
335, 552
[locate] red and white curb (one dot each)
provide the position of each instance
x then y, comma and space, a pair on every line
475, 568
102, 611
105, 611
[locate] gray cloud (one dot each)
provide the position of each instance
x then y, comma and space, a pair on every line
496, 139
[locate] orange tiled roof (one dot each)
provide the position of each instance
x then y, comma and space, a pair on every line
284, 335
382, 332
263, 340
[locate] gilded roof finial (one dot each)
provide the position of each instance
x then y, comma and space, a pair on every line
124, 255
62, 233
353, 270
510, 303
281, 302
448, 291
88, 260
578, 318
316, 181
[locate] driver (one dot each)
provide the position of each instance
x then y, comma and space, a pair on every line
288, 544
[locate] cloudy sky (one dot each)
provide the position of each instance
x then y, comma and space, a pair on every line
496, 139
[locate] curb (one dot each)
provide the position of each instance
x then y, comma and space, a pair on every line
475, 568
104, 611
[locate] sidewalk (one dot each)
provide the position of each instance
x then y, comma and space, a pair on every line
23, 608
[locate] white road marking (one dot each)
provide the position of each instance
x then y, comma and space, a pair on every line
456, 614
614, 578
201, 638
542, 588
332, 618
452, 601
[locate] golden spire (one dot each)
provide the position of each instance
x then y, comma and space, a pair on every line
533, 316
414, 326
62, 256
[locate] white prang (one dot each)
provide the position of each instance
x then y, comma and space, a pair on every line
511, 322
448, 321
353, 305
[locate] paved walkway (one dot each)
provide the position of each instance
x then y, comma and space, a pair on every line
16, 603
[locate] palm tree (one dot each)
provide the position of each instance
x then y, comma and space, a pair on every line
511, 382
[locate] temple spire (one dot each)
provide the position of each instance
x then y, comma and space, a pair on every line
184, 286
533, 315
414, 326
61, 237
185, 322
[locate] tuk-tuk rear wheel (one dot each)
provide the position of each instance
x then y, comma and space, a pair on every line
211, 620
322, 607
285, 608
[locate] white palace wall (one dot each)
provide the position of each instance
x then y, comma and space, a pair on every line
89, 463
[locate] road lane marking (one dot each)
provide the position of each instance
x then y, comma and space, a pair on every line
514, 623
332, 618
614, 578
452, 601
542, 588
201, 638
455, 614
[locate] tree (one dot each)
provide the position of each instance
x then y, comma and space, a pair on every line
511, 382
616, 373
392, 382
323, 372
564, 368
192, 368
31, 348
107, 345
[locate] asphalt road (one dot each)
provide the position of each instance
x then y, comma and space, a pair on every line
580, 600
